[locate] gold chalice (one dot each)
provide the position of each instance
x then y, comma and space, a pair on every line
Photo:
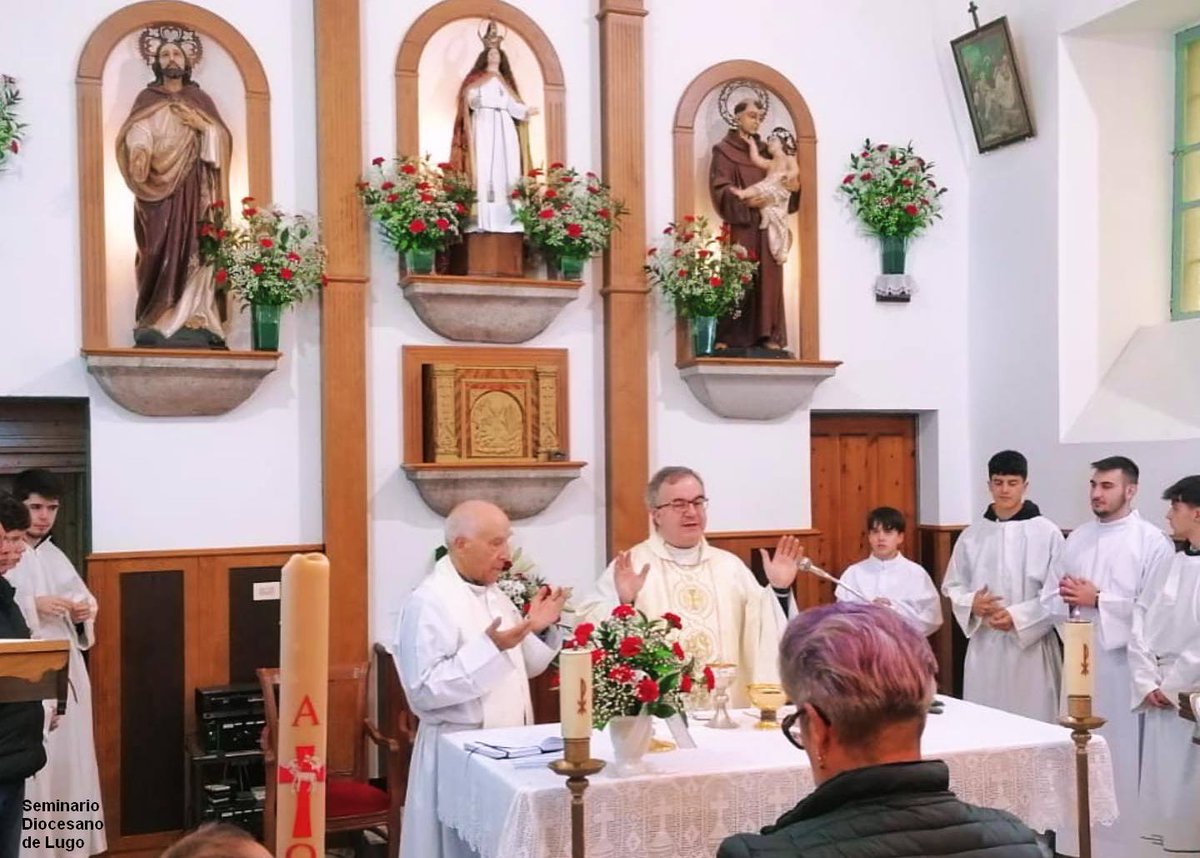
768, 697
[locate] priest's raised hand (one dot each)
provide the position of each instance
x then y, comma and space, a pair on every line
781, 568
629, 583
545, 608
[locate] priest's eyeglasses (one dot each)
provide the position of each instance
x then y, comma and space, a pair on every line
680, 505
787, 725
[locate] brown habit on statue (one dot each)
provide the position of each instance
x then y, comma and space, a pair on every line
762, 317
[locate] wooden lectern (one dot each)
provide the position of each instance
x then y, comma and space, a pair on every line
34, 670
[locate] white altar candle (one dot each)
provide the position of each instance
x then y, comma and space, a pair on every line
575, 693
303, 702
1079, 662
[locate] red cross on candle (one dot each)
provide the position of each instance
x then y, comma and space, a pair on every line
302, 772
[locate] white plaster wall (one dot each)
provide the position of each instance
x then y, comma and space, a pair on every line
895, 357
1114, 193
567, 540
249, 478
1014, 308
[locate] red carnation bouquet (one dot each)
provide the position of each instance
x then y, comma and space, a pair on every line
638, 665
565, 214
418, 206
271, 258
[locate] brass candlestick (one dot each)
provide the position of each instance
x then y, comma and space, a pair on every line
577, 766
1082, 722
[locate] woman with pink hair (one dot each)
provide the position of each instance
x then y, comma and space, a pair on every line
862, 681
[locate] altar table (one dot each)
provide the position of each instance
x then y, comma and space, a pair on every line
740, 780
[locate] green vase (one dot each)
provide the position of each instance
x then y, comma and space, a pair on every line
264, 326
892, 248
571, 267
419, 260
704, 334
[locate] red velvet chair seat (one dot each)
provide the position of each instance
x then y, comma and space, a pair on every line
352, 798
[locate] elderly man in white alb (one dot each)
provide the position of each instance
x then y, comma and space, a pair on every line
465, 655
727, 615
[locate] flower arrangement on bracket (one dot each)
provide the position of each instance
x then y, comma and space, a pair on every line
892, 192
271, 258
565, 215
420, 208
270, 262
703, 272
11, 129
637, 665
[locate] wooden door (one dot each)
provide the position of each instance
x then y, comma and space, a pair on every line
859, 462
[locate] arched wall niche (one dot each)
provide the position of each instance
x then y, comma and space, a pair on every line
408, 60
687, 193
89, 84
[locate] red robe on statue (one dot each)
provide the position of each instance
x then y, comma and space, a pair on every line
762, 317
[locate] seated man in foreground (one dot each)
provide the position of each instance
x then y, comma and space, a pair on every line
727, 615
863, 680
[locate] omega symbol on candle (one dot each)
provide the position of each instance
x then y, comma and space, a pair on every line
582, 703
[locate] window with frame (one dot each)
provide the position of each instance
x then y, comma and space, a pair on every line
1185, 245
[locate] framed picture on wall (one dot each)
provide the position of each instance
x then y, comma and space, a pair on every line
987, 68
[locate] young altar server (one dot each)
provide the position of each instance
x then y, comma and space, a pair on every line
890, 579
465, 655
994, 581
58, 605
1103, 567
1164, 658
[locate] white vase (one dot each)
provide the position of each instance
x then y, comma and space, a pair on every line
630, 736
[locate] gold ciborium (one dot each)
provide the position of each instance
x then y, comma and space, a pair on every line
769, 697
724, 673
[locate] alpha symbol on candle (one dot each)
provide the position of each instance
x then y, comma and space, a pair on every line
1084, 666
306, 710
302, 772
581, 703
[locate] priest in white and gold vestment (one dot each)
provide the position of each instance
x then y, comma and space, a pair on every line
727, 615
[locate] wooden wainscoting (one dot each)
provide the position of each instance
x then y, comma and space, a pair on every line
170, 622
746, 544
935, 543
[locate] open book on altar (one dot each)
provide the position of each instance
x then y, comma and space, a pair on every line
497, 751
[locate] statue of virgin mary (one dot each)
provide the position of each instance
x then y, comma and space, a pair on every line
491, 135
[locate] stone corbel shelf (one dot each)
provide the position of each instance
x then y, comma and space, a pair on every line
750, 389
487, 309
520, 489
179, 382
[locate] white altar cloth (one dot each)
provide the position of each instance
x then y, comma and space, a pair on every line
740, 780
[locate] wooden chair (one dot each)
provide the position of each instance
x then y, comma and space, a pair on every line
352, 804
395, 716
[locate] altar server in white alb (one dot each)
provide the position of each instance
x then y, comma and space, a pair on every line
1164, 658
994, 582
1100, 572
57, 605
890, 579
465, 655
727, 615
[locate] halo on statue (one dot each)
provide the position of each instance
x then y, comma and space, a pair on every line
489, 33
157, 35
735, 91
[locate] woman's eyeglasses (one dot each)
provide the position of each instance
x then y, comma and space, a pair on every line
789, 722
